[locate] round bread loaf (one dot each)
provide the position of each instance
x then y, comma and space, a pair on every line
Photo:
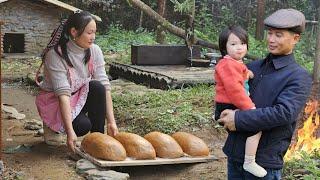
165, 145
191, 144
136, 146
104, 147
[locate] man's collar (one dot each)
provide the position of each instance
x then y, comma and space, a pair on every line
280, 61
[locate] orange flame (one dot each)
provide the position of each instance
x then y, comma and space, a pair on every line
307, 140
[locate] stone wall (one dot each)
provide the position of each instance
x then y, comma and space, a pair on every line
34, 19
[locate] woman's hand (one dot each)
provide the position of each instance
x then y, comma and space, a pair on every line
71, 140
111, 125
112, 129
64, 103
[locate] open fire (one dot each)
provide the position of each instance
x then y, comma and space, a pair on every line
307, 139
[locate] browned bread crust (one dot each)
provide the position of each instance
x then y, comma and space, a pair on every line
191, 144
165, 145
104, 147
136, 146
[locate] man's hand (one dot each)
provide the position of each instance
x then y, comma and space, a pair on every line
250, 74
227, 119
112, 129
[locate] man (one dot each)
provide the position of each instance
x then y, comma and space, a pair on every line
279, 90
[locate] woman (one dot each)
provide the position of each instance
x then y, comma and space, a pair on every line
75, 95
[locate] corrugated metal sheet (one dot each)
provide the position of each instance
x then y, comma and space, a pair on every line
163, 77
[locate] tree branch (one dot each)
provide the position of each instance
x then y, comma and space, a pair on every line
174, 29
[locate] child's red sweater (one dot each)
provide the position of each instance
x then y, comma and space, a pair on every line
230, 76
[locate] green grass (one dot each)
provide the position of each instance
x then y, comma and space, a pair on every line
116, 39
307, 167
165, 111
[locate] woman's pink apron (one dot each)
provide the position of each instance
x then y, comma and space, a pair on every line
48, 103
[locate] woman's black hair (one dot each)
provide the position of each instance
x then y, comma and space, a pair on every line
79, 20
224, 35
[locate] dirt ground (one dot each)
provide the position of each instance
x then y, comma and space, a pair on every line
51, 162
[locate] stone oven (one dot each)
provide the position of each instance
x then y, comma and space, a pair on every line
28, 24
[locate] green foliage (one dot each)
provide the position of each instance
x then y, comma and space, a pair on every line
183, 7
307, 167
207, 30
305, 51
204, 28
117, 40
257, 48
165, 111
228, 16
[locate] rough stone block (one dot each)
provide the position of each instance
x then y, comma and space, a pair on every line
95, 174
84, 165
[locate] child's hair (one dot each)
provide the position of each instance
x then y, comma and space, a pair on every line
224, 35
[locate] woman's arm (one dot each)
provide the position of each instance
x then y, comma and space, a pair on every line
100, 75
111, 123
65, 108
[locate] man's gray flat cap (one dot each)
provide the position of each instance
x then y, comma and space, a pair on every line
286, 19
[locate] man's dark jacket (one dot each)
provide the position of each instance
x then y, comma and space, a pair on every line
279, 90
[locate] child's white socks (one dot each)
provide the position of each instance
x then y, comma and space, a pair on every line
252, 167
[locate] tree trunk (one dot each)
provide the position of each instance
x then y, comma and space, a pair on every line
141, 19
154, 15
316, 67
166, 24
249, 15
190, 37
160, 34
171, 28
260, 17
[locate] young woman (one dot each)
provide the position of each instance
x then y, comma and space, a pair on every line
75, 93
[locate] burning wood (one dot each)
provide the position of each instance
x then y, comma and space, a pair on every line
307, 140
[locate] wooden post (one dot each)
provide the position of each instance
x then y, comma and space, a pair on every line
1, 23
1, 162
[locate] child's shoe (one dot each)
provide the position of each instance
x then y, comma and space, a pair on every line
255, 169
